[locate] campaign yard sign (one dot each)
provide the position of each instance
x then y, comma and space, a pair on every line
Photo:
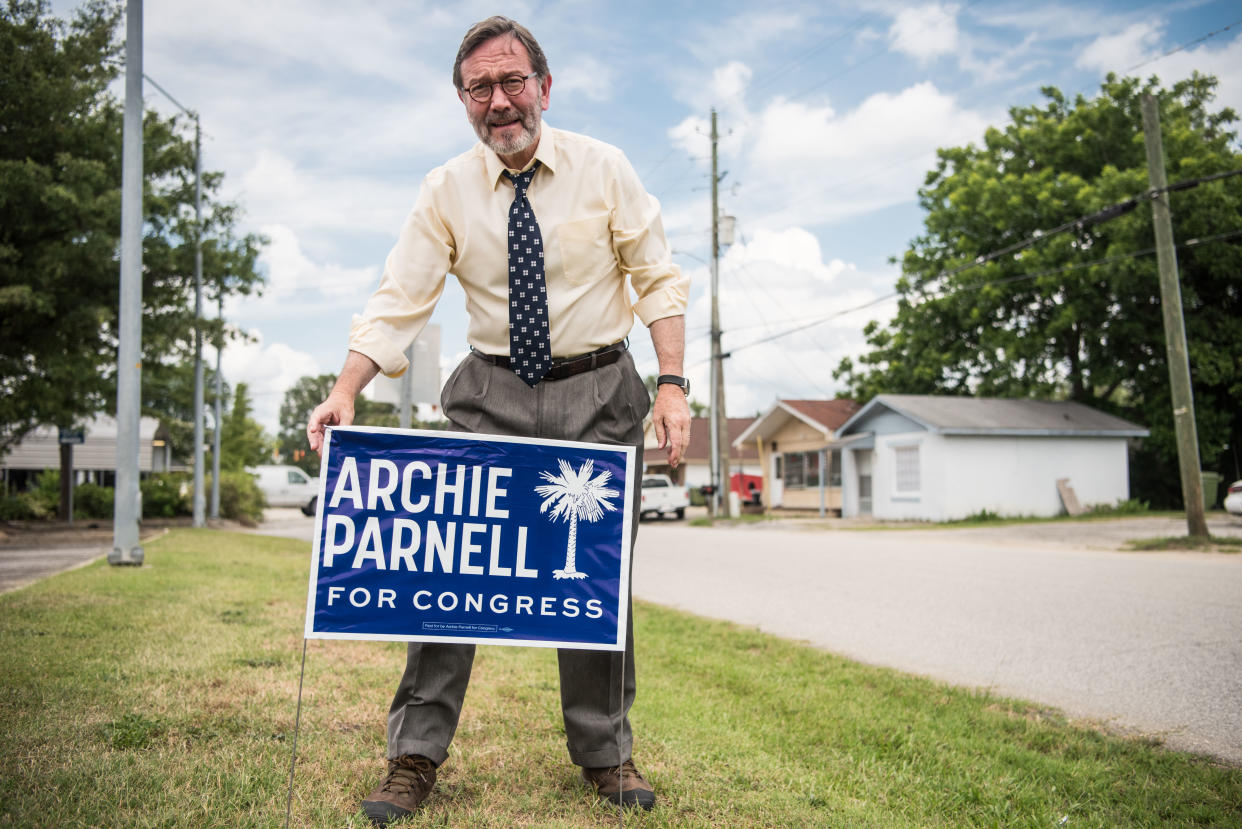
451, 537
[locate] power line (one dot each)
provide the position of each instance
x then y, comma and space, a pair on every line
1185, 45
981, 285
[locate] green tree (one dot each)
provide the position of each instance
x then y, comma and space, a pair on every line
1076, 316
300, 400
243, 442
60, 173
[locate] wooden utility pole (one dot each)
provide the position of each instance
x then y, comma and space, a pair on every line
720, 423
1174, 326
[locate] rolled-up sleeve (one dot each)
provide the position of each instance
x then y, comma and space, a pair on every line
409, 289
642, 250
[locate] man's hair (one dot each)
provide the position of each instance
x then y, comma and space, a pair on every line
498, 26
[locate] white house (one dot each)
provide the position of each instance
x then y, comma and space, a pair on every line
934, 458
94, 460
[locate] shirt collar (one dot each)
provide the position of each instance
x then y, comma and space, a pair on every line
545, 152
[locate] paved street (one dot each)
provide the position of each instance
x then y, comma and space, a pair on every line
1148, 642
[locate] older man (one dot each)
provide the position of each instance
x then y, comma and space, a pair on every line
541, 227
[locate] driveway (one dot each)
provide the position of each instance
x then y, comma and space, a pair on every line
1144, 642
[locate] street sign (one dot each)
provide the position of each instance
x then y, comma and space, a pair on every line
452, 537
71, 436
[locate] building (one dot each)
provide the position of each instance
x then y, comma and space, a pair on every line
94, 459
696, 468
935, 458
793, 441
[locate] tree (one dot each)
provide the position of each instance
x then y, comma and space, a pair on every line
60, 173
242, 440
574, 495
1077, 315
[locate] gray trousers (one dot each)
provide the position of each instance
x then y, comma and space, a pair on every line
606, 405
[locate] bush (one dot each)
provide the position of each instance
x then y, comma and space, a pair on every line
1128, 506
24, 506
240, 497
164, 495
93, 501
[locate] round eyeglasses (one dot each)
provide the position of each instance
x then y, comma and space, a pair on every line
512, 86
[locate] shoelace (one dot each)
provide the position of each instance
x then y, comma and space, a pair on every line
406, 775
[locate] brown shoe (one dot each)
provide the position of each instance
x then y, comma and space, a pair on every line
621, 784
409, 781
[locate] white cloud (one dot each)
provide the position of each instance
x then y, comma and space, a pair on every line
1224, 63
1116, 53
586, 76
290, 273
268, 370
925, 32
777, 281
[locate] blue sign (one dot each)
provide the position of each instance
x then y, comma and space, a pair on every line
452, 537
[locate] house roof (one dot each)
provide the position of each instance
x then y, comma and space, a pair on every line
995, 415
826, 416
700, 447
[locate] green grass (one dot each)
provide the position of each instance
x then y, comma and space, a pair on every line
165, 696
1211, 544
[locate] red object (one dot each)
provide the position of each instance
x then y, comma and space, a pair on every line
744, 484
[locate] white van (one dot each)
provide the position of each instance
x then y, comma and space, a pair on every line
287, 486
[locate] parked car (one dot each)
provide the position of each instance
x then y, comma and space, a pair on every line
287, 486
662, 497
1233, 498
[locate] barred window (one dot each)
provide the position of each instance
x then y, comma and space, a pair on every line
802, 469
907, 468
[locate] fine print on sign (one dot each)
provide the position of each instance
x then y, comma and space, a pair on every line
451, 537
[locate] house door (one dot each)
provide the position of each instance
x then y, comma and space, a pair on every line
863, 460
777, 495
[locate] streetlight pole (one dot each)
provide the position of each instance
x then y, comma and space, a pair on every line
215, 436
199, 495
125, 543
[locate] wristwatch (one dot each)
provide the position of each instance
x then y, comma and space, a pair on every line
675, 380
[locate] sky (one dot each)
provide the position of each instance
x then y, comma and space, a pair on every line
325, 116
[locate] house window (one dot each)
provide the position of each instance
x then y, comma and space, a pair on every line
907, 468
802, 469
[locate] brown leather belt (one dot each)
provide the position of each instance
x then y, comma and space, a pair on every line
568, 366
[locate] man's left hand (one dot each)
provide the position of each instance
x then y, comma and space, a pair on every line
670, 415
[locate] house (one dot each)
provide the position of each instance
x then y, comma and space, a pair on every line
937, 458
696, 468
794, 440
94, 459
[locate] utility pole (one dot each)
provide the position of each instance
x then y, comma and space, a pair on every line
1174, 326
215, 436
125, 546
720, 423
200, 500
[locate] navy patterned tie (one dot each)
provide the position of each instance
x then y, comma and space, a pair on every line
530, 342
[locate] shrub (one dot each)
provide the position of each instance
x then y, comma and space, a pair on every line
92, 501
164, 495
240, 497
1128, 506
23, 506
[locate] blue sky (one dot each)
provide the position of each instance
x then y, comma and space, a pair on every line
326, 115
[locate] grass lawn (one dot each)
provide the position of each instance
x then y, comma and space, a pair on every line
165, 696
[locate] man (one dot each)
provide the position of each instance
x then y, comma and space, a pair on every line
541, 227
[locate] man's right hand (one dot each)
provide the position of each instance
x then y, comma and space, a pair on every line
337, 410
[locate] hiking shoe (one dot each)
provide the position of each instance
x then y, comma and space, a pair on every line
622, 785
409, 781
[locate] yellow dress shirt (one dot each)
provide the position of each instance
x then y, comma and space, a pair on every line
598, 224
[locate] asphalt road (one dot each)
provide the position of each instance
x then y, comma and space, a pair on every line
1144, 642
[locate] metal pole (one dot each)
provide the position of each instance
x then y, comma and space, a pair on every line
823, 482
215, 437
125, 547
200, 509
715, 375
1174, 327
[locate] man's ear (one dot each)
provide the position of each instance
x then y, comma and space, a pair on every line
545, 91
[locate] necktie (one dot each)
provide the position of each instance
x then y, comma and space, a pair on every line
530, 343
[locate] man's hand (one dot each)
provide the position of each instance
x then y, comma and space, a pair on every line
670, 415
338, 409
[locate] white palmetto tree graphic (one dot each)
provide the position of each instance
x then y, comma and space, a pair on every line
575, 496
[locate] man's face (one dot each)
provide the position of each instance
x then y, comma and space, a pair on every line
509, 125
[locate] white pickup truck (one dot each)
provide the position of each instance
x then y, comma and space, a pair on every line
662, 497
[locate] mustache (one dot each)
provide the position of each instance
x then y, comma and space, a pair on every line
504, 117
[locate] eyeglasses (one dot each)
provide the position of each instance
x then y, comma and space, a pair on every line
512, 86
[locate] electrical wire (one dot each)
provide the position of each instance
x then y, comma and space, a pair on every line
1185, 45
